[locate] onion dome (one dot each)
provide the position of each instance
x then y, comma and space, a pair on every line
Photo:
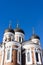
19, 30
9, 29
34, 36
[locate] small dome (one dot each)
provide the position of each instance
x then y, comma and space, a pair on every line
9, 30
34, 36
19, 30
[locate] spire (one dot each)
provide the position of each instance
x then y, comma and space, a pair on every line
17, 24
10, 25
33, 32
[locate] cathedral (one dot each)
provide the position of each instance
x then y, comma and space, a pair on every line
15, 50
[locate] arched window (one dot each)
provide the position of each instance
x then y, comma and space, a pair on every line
18, 57
22, 39
37, 59
41, 57
19, 39
28, 56
8, 54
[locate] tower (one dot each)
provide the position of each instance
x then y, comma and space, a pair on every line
19, 37
9, 48
19, 34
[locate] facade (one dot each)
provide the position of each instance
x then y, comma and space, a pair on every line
14, 50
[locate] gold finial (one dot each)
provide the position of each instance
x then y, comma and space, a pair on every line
10, 25
33, 31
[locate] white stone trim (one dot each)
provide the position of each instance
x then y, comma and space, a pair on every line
12, 43
15, 48
2, 60
39, 58
19, 62
19, 33
7, 33
34, 56
29, 45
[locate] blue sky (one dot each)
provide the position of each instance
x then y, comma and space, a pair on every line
28, 13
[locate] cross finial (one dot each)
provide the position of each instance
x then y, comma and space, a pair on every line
10, 25
17, 24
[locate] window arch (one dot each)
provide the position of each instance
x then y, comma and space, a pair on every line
19, 57
28, 56
37, 59
9, 55
19, 39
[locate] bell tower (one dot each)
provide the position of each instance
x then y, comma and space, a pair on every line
9, 34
